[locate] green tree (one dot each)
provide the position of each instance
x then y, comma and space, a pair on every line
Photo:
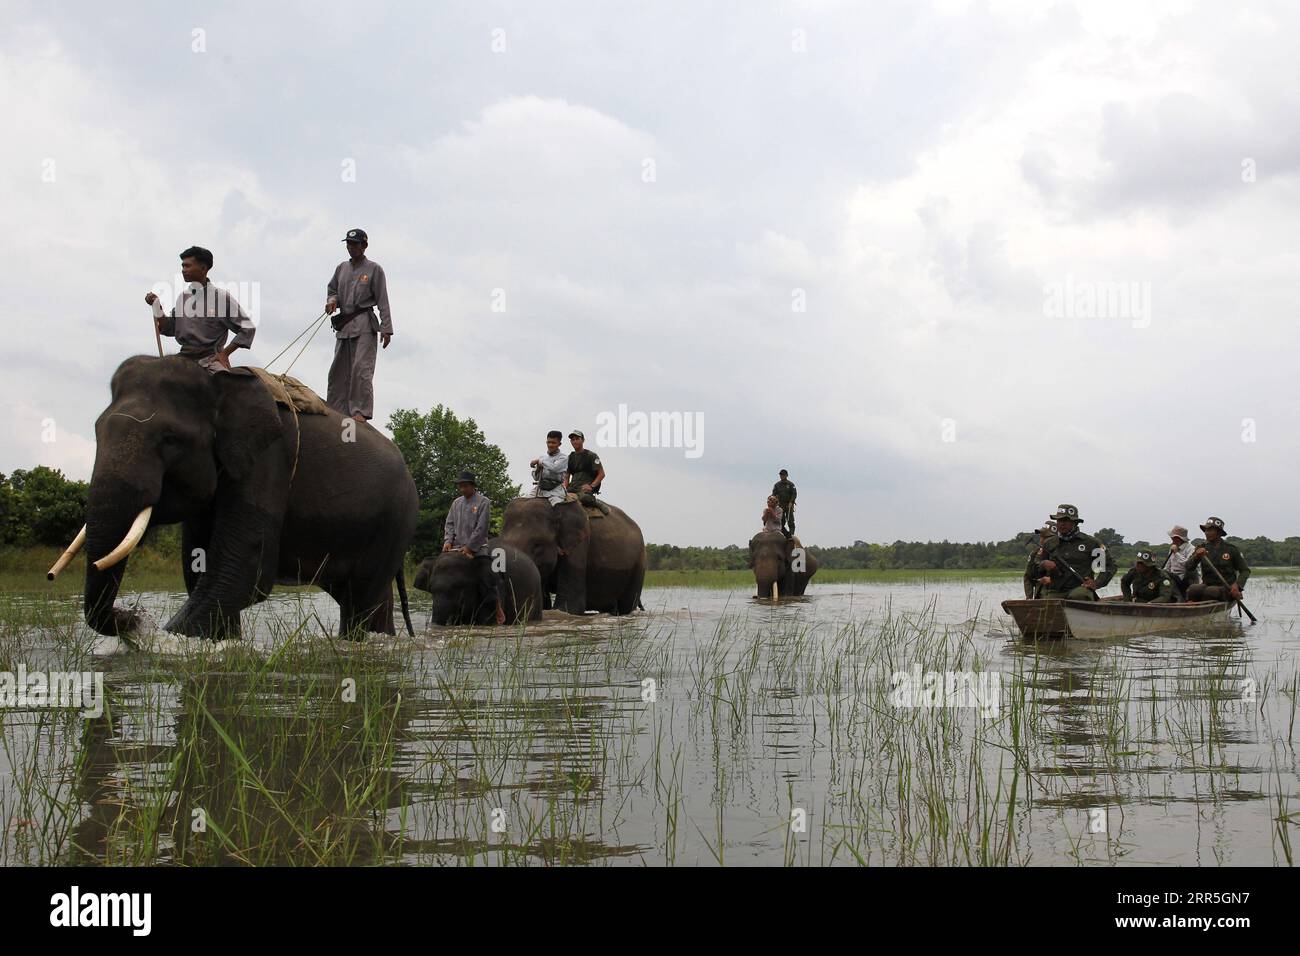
437, 447
41, 506
1110, 538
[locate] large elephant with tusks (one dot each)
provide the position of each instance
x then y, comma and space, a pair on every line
780, 562
590, 564
263, 494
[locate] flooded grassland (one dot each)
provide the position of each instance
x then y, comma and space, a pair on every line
899, 722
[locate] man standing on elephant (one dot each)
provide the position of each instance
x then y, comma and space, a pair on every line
203, 316
549, 470
786, 493
356, 289
466, 531
585, 473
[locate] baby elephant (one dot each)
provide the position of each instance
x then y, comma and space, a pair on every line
458, 597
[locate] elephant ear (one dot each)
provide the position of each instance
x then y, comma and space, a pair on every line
247, 421
572, 527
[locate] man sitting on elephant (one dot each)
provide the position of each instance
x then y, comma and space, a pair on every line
585, 473
203, 316
466, 530
772, 517
550, 470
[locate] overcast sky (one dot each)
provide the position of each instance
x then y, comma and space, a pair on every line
858, 239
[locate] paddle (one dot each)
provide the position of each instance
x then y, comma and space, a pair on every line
1240, 605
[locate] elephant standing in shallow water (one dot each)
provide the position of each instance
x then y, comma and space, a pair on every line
591, 564
782, 561
453, 580
264, 495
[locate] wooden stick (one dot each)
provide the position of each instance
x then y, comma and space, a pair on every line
1240, 605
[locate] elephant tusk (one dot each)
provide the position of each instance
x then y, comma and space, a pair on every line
775, 595
128, 543
66, 557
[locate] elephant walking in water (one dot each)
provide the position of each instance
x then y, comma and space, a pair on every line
780, 561
453, 580
263, 494
590, 564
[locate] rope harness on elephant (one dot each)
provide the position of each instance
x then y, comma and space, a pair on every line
297, 425
313, 326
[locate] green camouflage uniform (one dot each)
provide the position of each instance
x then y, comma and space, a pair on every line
786, 493
1078, 550
1228, 560
584, 466
1149, 585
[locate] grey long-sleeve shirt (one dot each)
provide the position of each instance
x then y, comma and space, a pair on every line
203, 316
467, 523
359, 289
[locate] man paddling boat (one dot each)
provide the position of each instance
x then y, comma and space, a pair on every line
1221, 557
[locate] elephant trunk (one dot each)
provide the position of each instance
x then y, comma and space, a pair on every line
769, 574
113, 518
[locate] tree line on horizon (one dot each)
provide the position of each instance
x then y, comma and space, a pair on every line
1010, 554
42, 507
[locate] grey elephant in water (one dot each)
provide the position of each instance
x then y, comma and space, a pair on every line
453, 580
264, 496
591, 564
781, 561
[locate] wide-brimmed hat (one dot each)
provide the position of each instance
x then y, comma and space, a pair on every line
467, 477
1144, 556
1048, 528
1178, 531
1066, 513
1213, 522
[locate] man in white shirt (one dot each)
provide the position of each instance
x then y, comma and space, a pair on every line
549, 471
1180, 553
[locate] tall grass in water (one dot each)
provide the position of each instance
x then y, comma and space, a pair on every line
765, 734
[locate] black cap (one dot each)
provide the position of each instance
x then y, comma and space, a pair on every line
467, 476
356, 235
783, 472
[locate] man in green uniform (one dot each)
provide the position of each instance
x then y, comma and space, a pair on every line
1147, 584
1033, 568
786, 493
1077, 565
585, 473
1222, 557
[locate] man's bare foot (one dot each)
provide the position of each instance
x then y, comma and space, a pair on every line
501, 615
359, 418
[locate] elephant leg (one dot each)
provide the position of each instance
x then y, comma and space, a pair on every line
630, 599
196, 537
381, 618
363, 608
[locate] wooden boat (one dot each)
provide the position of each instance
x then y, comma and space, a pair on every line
1053, 618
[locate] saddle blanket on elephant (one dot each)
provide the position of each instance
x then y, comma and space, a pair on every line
290, 392
592, 511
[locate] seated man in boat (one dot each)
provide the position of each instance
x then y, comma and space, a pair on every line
1147, 584
1076, 565
1180, 556
1223, 569
1033, 569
